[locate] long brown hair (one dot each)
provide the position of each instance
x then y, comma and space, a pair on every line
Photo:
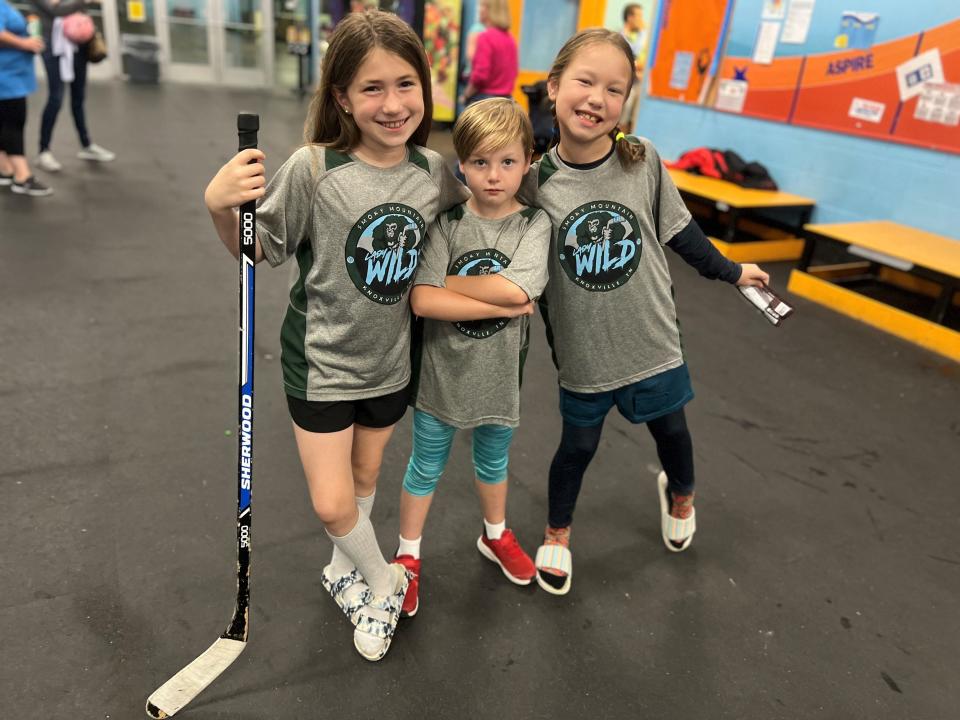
628, 150
353, 39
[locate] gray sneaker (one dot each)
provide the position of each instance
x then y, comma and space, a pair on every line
95, 152
31, 186
6, 180
46, 161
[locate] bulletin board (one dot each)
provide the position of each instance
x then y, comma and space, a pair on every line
889, 70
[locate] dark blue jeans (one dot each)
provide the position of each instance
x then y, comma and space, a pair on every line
55, 97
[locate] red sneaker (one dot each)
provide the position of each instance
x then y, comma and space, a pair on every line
507, 553
411, 601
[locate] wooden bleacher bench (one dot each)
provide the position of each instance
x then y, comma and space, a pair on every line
921, 266
734, 210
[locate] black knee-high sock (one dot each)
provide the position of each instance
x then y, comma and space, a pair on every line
675, 450
577, 448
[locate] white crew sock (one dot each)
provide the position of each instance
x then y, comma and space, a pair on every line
360, 545
409, 547
340, 564
494, 530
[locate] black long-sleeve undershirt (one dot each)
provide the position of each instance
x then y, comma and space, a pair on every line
698, 252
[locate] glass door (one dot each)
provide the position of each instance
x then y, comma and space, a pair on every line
215, 41
185, 33
290, 23
188, 35
243, 52
104, 68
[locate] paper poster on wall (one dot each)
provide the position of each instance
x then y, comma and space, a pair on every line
731, 95
766, 46
857, 30
774, 9
915, 72
136, 11
797, 24
682, 66
869, 110
939, 103
441, 40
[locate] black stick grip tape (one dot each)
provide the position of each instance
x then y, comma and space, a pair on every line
248, 124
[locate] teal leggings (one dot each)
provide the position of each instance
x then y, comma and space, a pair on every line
432, 439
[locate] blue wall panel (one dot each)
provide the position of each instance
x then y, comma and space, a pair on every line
850, 178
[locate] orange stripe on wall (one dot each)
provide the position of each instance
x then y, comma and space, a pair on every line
591, 14
516, 17
526, 77
781, 74
883, 58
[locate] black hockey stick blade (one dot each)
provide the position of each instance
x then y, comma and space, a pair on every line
183, 687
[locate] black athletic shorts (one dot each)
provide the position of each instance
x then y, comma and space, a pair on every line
13, 116
327, 417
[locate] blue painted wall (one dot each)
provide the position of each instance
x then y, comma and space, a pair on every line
897, 18
851, 178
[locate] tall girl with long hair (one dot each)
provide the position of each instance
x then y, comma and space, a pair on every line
352, 206
609, 306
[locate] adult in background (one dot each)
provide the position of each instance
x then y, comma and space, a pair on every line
495, 65
60, 69
636, 36
17, 80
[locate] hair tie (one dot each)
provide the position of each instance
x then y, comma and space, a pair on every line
620, 136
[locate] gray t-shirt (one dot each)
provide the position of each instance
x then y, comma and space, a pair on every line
357, 232
470, 371
609, 300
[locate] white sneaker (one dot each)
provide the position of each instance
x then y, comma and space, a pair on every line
46, 161
95, 152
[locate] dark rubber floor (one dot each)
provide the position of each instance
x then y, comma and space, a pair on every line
823, 581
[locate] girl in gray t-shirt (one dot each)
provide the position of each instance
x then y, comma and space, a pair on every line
609, 304
352, 206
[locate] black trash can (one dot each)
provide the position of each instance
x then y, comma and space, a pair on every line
140, 55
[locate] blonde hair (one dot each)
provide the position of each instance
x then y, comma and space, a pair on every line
490, 125
498, 13
628, 150
353, 39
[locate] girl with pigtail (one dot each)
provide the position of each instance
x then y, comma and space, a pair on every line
609, 308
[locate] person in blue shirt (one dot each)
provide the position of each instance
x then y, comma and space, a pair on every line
17, 81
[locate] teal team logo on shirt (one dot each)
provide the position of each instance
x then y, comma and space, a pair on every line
599, 245
480, 262
383, 249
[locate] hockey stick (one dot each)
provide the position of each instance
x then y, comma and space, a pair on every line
191, 680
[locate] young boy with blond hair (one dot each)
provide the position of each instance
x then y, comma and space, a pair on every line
484, 264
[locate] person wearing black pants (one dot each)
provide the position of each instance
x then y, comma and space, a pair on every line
49, 10
17, 81
578, 445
